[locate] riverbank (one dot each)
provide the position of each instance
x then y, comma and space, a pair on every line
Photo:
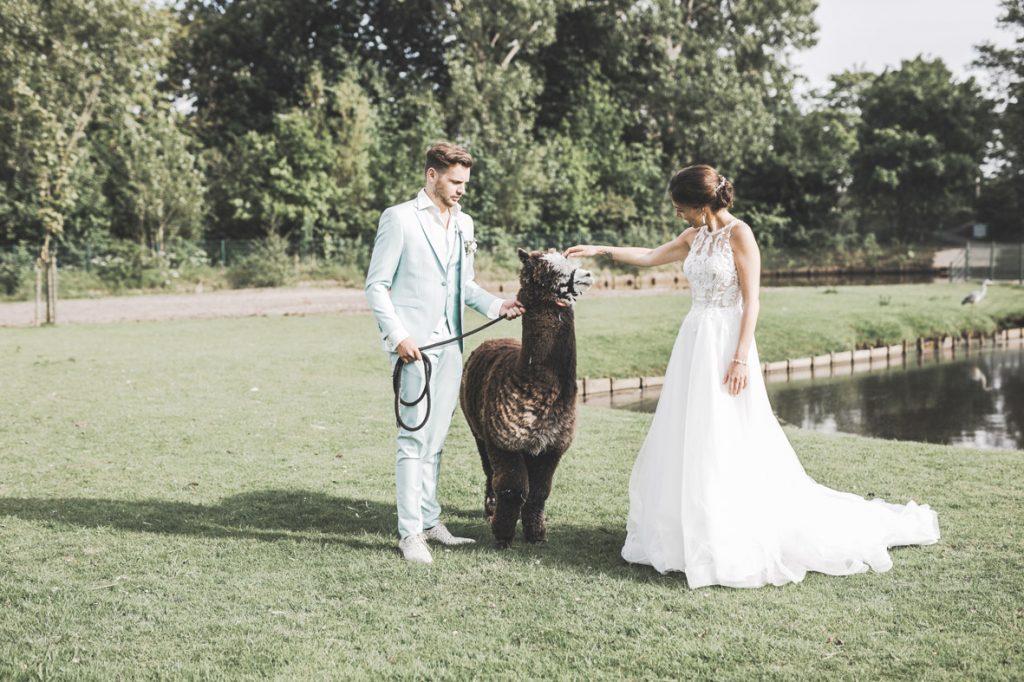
184, 498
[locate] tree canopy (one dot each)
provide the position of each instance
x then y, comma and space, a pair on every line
129, 120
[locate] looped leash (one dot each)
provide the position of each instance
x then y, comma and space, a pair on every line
396, 378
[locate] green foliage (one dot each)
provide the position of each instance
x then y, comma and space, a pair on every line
921, 142
15, 266
267, 266
65, 66
156, 182
307, 179
491, 107
241, 119
1002, 194
797, 195
130, 265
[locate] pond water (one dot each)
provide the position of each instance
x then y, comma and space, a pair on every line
974, 401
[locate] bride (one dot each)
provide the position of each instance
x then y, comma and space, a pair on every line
717, 491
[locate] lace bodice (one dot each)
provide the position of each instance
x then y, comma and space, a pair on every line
711, 270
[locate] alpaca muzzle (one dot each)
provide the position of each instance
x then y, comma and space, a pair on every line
578, 282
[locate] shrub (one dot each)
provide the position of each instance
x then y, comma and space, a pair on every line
267, 266
127, 265
15, 268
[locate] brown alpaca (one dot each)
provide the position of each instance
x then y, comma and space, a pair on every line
520, 398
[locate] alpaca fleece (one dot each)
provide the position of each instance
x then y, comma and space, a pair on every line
519, 398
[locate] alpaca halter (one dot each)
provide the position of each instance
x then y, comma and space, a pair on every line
568, 290
396, 377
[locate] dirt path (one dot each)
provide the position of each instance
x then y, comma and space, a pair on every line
233, 303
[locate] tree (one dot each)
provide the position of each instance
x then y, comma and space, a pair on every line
797, 195
645, 88
64, 65
308, 178
922, 139
491, 106
1002, 193
156, 182
242, 62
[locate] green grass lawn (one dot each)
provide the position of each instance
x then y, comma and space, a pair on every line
214, 499
633, 336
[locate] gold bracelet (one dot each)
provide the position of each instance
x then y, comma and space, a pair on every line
740, 362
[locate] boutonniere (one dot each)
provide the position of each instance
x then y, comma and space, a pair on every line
470, 246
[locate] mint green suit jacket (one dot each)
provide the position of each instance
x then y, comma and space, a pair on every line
406, 284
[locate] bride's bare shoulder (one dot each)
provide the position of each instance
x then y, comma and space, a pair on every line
687, 235
741, 233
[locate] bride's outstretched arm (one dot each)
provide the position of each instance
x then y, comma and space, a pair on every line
668, 252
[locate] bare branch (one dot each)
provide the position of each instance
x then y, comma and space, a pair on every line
514, 45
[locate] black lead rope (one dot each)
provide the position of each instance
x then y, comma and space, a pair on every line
396, 377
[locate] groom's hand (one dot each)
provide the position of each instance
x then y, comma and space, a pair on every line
511, 309
408, 351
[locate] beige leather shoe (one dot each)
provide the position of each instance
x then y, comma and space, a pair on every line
440, 533
414, 548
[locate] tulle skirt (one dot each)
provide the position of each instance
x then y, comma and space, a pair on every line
718, 492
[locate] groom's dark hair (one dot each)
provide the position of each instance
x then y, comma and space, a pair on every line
442, 156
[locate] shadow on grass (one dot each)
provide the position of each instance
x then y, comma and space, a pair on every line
584, 549
260, 515
297, 515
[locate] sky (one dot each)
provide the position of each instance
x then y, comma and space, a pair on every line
874, 34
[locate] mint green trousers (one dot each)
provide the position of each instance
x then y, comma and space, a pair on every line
418, 461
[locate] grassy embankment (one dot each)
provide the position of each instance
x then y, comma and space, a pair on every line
633, 335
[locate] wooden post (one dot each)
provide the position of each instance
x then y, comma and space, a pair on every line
39, 293
51, 289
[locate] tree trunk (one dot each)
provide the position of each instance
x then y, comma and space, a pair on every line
46, 266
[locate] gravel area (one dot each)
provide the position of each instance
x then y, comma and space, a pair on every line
231, 303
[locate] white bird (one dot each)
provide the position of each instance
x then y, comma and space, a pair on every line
977, 294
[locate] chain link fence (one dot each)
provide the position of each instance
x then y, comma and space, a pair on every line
988, 260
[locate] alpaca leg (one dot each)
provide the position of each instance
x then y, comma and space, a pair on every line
489, 502
511, 486
541, 471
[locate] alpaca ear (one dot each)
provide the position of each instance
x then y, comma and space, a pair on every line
523, 255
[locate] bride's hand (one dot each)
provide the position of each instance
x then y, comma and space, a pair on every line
736, 378
583, 251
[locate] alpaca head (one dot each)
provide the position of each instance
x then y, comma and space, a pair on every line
549, 278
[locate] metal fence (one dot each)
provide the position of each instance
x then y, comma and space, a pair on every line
988, 260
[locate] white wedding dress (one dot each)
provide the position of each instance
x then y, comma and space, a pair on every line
717, 490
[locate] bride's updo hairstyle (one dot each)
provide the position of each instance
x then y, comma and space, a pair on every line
701, 185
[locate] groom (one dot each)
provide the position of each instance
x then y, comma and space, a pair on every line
420, 276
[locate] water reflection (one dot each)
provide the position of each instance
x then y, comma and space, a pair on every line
975, 401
